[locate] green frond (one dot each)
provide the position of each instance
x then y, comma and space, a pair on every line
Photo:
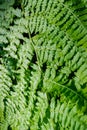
43, 65
68, 116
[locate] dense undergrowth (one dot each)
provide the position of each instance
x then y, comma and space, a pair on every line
43, 65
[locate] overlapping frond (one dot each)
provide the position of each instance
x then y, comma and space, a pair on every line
43, 65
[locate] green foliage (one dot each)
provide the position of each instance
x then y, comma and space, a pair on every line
43, 65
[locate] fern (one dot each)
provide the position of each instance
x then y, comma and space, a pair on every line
43, 65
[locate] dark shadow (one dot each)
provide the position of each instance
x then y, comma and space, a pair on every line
9, 128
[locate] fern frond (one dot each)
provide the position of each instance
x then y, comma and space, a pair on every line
43, 65
74, 119
40, 111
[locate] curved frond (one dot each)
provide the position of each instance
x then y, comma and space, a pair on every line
43, 65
